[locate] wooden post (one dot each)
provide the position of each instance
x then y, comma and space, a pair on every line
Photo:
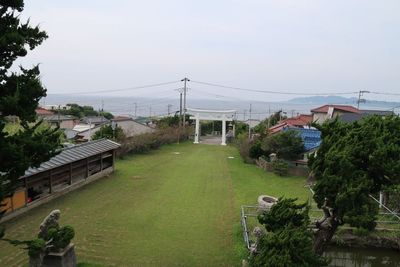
101, 162
113, 159
26, 191
50, 182
12, 201
87, 167
70, 174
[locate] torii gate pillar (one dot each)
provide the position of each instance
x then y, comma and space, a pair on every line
223, 132
211, 115
197, 131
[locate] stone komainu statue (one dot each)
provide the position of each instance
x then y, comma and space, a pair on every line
51, 221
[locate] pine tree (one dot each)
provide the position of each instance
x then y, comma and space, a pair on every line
354, 161
20, 93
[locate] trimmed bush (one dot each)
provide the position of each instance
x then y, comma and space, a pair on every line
61, 237
280, 167
145, 142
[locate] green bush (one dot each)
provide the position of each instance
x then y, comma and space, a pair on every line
106, 131
256, 150
286, 145
35, 247
61, 237
148, 141
244, 145
280, 167
361, 231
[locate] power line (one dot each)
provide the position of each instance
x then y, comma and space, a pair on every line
271, 92
383, 93
122, 89
215, 95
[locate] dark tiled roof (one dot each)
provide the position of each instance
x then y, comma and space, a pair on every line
94, 119
57, 117
377, 112
352, 117
75, 153
122, 118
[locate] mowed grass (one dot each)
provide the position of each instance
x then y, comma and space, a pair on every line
160, 209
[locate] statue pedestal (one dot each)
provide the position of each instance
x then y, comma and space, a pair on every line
65, 258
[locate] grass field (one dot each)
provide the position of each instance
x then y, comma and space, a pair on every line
160, 209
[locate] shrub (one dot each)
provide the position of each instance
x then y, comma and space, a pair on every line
287, 145
255, 149
35, 247
361, 231
244, 145
106, 131
145, 142
280, 167
61, 237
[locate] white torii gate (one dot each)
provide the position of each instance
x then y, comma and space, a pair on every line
211, 115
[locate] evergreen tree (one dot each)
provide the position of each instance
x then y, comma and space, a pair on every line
354, 161
20, 93
288, 240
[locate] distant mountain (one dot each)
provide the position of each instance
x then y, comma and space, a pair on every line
322, 100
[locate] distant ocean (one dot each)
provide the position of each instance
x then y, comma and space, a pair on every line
162, 106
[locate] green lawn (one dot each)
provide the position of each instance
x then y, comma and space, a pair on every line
161, 209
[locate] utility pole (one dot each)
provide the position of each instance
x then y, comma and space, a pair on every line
184, 80
360, 94
244, 115
150, 111
250, 122
58, 113
135, 109
169, 109
180, 105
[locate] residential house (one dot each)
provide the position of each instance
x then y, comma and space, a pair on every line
63, 121
300, 121
131, 127
95, 120
42, 112
327, 112
352, 117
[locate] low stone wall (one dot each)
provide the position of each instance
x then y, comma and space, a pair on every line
293, 170
57, 194
373, 240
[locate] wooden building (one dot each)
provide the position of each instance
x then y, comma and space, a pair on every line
70, 169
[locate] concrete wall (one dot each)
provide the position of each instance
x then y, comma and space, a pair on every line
320, 117
67, 124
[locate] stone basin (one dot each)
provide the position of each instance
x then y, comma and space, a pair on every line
266, 202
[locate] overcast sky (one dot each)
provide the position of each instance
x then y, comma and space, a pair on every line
291, 46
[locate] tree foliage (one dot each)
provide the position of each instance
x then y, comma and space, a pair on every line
288, 241
354, 161
83, 111
287, 145
19, 96
106, 131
